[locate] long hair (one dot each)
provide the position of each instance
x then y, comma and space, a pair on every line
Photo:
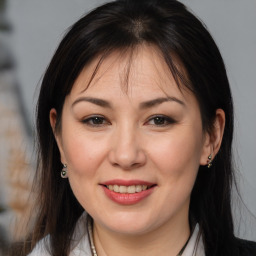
180, 37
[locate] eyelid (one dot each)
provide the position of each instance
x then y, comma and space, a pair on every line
87, 119
169, 120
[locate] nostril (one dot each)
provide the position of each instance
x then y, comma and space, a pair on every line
127, 158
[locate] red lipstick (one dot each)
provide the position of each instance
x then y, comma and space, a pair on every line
127, 198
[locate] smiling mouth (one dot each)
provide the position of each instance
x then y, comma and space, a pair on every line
128, 189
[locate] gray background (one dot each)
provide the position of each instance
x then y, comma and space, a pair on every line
38, 27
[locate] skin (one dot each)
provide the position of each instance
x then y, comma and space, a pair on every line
128, 143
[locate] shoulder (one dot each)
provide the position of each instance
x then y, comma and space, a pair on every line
246, 248
80, 244
195, 246
41, 248
82, 247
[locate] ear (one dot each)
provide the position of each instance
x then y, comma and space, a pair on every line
57, 134
213, 138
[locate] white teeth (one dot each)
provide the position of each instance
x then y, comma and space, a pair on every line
116, 188
122, 189
138, 188
131, 189
127, 189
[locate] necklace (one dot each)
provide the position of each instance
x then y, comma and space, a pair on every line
93, 249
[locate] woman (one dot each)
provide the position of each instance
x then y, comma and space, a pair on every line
135, 126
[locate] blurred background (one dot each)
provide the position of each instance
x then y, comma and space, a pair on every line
30, 31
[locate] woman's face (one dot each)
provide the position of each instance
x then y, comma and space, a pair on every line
132, 155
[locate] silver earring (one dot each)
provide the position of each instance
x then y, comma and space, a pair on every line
209, 161
64, 172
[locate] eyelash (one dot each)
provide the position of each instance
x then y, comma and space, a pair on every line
90, 121
99, 121
167, 120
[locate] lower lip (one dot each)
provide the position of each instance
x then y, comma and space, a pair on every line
127, 199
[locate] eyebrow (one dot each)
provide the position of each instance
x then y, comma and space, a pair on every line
96, 101
143, 105
158, 101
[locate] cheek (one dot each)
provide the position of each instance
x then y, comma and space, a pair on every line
83, 154
84, 158
178, 152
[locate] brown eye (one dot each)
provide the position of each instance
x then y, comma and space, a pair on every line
95, 121
160, 120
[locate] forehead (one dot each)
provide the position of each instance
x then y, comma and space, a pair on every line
142, 69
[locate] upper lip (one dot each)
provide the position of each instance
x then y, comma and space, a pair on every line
120, 182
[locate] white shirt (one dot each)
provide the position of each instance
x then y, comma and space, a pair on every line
81, 245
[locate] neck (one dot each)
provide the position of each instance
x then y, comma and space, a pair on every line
168, 240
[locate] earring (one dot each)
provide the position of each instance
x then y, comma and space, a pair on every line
209, 161
64, 172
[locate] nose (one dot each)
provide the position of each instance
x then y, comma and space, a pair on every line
127, 150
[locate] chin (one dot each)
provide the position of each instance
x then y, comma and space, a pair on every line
129, 224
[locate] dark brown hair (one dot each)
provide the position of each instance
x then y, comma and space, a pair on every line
178, 34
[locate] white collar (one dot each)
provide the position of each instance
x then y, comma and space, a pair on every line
195, 246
